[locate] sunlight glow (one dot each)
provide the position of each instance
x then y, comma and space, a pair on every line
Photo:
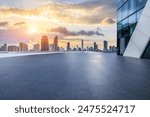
32, 30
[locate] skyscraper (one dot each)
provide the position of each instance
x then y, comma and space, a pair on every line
133, 28
68, 46
44, 43
105, 45
23, 47
82, 44
56, 43
95, 46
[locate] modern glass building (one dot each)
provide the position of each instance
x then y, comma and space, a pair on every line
129, 13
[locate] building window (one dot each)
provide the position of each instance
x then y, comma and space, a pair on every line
125, 10
120, 3
132, 6
119, 26
132, 27
125, 23
132, 19
119, 15
140, 4
120, 34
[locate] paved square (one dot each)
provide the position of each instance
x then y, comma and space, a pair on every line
80, 75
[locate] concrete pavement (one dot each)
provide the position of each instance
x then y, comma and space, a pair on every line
72, 76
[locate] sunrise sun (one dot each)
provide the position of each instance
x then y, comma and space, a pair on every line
32, 30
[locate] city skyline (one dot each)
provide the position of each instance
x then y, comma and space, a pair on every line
51, 47
45, 17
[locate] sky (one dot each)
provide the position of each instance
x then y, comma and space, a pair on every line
72, 20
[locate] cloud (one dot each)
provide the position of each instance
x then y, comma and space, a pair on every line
3, 24
85, 13
89, 12
90, 33
66, 32
19, 23
108, 21
16, 11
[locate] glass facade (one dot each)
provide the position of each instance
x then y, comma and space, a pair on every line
129, 12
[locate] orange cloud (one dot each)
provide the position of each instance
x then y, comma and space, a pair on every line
19, 23
108, 21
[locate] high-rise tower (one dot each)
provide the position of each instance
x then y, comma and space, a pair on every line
44, 43
56, 43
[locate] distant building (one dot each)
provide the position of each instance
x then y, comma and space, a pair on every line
51, 47
74, 49
36, 47
61, 49
23, 47
68, 46
3, 47
44, 43
110, 48
95, 46
13, 48
91, 49
87, 48
105, 45
56, 43
82, 44
77, 48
